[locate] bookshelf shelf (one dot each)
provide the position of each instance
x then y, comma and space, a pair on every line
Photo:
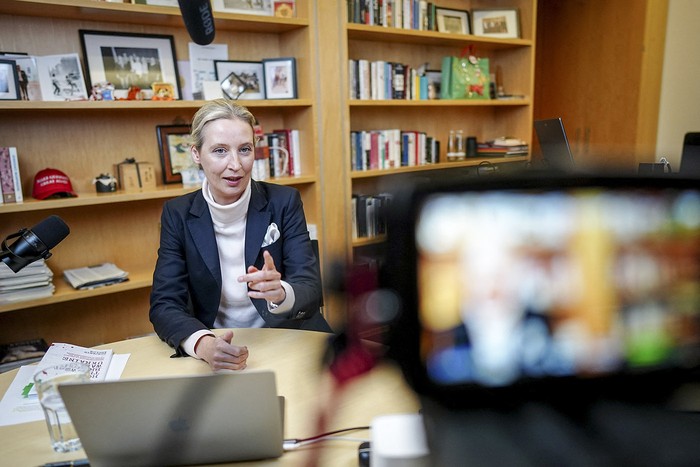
438, 103
367, 174
65, 293
83, 106
363, 32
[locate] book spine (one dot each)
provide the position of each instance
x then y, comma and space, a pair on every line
17, 179
296, 152
6, 178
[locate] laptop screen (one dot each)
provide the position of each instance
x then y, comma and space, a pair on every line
554, 144
517, 282
690, 158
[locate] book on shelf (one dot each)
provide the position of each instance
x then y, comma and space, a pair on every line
15, 354
289, 139
402, 14
392, 148
369, 214
32, 282
10, 179
90, 277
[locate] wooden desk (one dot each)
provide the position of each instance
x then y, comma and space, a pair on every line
294, 356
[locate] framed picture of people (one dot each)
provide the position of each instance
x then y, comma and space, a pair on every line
130, 60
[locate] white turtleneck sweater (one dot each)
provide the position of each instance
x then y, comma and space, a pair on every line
235, 308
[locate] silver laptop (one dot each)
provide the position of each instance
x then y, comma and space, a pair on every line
178, 420
554, 144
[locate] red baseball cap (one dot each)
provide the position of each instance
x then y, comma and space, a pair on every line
52, 182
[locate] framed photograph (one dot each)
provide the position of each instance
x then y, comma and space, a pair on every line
9, 84
129, 60
61, 77
174, 147
452, 21
250, 73
500, 23
246, 7
280, 78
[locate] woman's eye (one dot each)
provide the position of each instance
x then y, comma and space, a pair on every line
220, 151
245, 150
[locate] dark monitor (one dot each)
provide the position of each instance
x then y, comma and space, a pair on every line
690, 158
554, 144
556, 288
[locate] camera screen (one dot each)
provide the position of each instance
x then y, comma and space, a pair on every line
583, 281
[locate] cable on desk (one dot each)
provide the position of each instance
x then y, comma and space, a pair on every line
294, 443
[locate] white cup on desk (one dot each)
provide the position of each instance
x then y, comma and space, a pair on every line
46, 380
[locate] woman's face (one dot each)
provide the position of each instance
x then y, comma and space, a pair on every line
227, 156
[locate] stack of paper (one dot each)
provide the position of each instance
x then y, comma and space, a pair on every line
31, 282
503, 147
99, 275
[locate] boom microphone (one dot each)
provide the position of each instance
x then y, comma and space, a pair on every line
199, 20
34, 243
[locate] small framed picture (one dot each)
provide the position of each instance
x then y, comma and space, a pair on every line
250, 73
452, 21
500, 23
174, 147
246, 7
129, 60
9, 83
280, 78
61, 77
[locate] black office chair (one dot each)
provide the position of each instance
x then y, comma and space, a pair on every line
315, 247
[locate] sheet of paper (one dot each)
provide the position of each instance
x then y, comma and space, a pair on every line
202, 64
17, 406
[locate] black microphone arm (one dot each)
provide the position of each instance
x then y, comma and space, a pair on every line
33, 244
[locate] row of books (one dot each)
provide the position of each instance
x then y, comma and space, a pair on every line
10, 180
380, 79
369, 214
403, 14
277, 154
392, 148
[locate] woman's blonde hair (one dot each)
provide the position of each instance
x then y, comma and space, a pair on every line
215, 110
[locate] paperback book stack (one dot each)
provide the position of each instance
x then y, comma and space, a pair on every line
503, 147
32, 282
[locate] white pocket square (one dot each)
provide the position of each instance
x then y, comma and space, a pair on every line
271, 236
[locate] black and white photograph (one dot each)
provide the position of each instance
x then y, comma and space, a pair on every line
280, 78
130, 60
247, 7
9, 86
61, 77
249, 73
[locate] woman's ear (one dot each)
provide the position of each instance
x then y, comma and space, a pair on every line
195, 155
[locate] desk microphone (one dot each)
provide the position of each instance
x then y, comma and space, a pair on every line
33, 244
199, 20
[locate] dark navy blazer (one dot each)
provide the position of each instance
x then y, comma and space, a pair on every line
187, 278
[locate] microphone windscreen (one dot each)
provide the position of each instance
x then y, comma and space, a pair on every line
199, 20
51, 231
